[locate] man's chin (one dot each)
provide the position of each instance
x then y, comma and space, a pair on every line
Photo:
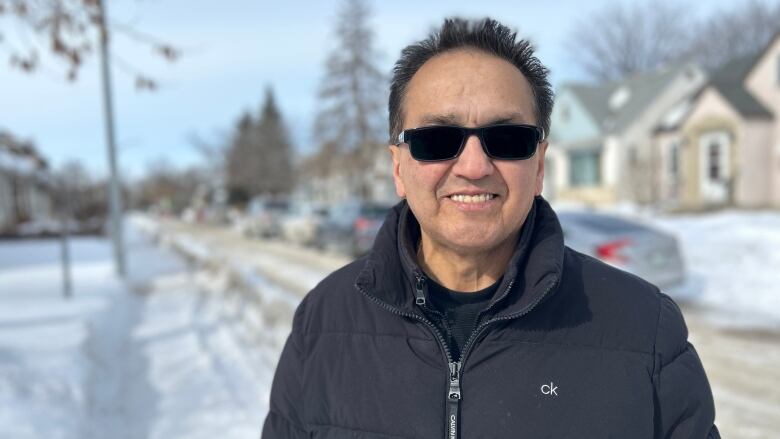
475, 239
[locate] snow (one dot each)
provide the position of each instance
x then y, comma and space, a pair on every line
737, 254
186, 347
42, 365
175, 351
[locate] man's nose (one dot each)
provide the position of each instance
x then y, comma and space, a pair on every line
473, 163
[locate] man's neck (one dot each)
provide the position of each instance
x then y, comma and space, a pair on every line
464, 271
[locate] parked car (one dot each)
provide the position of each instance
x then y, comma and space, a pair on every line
302, 223
351, 227
627, 244
263, 218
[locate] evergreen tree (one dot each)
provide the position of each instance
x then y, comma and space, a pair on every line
239, 168
260, 155
351, 94
274, 164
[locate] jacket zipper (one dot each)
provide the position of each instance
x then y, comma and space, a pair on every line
453, 367
453, 370
454, 395
453, 400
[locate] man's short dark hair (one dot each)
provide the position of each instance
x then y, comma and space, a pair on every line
487, 35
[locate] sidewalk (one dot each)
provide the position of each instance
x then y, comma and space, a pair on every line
177, 351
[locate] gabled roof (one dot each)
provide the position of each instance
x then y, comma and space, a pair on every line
729, 82
641, 89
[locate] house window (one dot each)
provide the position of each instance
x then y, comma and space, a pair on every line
715, 152
674, 159
585, 168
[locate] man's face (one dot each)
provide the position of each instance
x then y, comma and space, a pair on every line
468, 88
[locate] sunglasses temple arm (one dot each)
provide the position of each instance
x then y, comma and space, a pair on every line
400, 138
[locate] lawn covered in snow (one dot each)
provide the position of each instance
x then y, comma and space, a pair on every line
175, 351
43, 363
737, 255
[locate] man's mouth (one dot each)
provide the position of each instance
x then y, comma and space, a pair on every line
475, 198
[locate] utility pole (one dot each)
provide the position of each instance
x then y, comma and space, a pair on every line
115, 194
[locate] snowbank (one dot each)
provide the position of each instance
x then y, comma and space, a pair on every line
737, 253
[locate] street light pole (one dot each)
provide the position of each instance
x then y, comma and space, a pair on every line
115, 194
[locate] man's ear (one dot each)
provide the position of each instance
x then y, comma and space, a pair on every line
395, 152
540, 170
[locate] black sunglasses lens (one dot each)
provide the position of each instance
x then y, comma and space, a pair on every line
435, 143
511, 142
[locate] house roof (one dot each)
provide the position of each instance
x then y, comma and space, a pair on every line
729, 82
640, 91
14, 152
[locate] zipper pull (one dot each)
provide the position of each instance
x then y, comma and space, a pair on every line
419, 296
453, 402
454, 389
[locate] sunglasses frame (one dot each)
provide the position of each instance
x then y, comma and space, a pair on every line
468, 132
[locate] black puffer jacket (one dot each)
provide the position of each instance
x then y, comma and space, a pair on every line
569, 348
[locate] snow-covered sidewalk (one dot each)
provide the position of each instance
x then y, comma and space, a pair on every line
176, 351
43, 360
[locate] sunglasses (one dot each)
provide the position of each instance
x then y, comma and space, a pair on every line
445, 142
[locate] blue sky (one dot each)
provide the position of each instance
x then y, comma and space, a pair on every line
232, 51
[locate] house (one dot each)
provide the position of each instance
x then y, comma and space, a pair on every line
24, 184
601, 140
721, 146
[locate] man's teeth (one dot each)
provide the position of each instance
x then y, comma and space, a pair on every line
481, 198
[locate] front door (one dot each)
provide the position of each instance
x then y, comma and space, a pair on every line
714, 170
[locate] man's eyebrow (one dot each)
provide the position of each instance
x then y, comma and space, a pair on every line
516, 117
440, 119
452, 119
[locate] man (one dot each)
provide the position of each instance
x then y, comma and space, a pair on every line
470, 318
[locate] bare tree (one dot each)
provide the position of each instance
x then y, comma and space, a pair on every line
351, 95
168, 187
69, 27
78, 194
741, 31
68, 30
621, 39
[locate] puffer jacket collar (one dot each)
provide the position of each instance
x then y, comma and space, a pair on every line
391, 271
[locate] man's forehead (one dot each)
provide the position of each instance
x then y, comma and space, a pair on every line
468, 88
